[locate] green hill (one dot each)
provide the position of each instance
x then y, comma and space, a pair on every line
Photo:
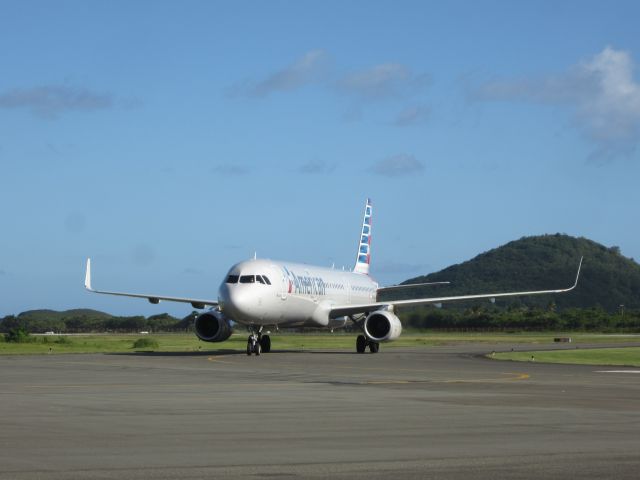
608, 279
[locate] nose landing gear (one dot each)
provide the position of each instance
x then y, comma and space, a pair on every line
258, 343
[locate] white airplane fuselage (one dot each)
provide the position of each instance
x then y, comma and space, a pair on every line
266, 292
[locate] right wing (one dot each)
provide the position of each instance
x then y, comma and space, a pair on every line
344, 310
195, 303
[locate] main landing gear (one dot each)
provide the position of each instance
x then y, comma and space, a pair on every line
362, 343
258, 343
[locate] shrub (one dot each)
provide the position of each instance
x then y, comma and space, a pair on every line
18, 335
149, 343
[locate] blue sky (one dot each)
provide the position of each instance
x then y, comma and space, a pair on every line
169, 140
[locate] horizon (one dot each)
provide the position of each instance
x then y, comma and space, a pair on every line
162, 312
169, 141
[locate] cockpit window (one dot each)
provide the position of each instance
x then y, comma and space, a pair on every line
266, 280
232, 279
247, 279
259, 279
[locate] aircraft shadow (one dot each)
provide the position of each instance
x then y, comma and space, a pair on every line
225, 352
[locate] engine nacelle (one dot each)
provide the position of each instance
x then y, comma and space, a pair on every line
212, 326
382, 326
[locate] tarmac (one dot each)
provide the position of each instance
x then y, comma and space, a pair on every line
432, 412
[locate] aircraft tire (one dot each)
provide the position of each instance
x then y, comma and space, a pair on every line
249, 352
258, 349
265, 343
361, 344
374, 347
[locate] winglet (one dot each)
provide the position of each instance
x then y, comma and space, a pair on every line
578, 274
87, 276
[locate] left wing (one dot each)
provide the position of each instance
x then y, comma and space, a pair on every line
195, 303
410, 285
342, 310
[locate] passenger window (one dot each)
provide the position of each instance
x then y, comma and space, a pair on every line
232, 279
247, 279
266, 280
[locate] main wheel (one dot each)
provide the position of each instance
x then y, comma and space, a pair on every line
374, 347
361, 344
249, 352
265, 343
258, 349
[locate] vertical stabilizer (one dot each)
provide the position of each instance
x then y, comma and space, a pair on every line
363, 257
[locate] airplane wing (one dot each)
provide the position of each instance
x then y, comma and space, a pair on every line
196, 303
343, 310
410, 285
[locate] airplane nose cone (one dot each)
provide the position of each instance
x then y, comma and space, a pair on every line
237, 302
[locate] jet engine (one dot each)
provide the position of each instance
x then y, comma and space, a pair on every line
382, 326
212, 326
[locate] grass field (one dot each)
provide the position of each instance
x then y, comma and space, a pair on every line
54, 344
629, 356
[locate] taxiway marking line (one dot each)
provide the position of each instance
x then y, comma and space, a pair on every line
617, 371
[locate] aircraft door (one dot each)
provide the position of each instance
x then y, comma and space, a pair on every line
285, 287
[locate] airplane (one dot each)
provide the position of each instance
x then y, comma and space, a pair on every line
261, 293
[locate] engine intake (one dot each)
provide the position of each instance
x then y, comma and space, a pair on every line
382, 326
212, 326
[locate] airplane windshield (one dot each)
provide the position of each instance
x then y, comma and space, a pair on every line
249, 279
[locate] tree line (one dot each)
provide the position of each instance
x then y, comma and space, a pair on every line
519, 319
95, 324
476, 318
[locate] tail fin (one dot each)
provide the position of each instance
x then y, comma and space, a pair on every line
363, 257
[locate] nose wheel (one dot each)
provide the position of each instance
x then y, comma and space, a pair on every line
258, 343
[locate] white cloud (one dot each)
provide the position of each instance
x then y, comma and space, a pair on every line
316, 167
414, 115
49, 101
602, 93
383, 81
391, 82
397, 165
307, 69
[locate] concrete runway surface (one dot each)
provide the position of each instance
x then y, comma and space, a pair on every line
435, 412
